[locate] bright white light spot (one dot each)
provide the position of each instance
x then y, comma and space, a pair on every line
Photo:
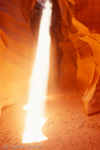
30, 107
36, 121
38, 82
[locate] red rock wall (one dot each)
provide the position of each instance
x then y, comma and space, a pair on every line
16, 49
86, 20
68, 67
81, 19
26, 7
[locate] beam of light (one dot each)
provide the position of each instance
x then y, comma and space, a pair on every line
38, 82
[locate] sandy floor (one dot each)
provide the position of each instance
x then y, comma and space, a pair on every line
67, 127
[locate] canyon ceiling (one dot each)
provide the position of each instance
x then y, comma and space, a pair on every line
75, 48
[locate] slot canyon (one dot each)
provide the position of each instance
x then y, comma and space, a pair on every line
72, 105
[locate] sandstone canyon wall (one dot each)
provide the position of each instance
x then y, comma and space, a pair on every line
16, 49
82, 20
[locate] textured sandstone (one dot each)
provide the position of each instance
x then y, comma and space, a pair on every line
16, 51
82, 23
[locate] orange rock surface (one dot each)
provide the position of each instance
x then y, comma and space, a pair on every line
82, 20
16, 50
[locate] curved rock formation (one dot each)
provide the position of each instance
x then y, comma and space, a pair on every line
82, 18
16, 52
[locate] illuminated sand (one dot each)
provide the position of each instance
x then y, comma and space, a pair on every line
67, 127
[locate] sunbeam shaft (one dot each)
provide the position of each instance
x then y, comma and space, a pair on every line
39, 81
